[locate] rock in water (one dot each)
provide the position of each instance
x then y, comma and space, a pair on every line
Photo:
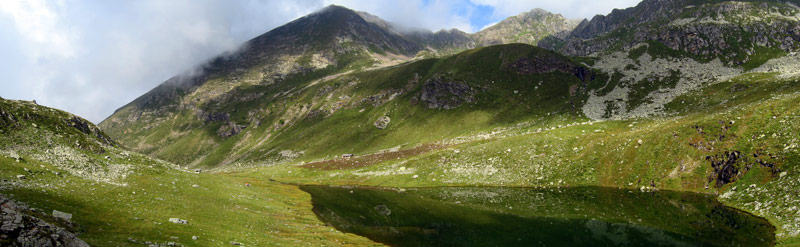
382, 122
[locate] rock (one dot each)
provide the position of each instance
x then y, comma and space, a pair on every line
230, 129
198, 171
383, 210
195, 186
783, 174
439, 93
19, 228
61, 215
20, 176
178, 221
195, 237
382, 122
640, 141
415, 176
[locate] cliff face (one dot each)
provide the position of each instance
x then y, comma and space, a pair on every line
730, 30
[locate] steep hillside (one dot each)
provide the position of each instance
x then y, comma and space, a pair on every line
334, 39
528, 28
63, 182
736, 139
739, 33
369, 110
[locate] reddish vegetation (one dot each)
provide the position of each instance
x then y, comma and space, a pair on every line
370, 159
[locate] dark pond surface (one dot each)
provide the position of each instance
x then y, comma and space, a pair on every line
585, 216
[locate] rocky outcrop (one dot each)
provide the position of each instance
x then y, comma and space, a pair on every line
87, 128
729, 30
19, 227
213, 116
540, 64
382, 97
230, 129
440, 93
528, 28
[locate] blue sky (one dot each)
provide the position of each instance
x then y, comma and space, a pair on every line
91, 57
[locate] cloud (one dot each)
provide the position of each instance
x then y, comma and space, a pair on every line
39, 25
432, 14
92, 57
573, 9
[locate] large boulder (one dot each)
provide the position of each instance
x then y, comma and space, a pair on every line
382, 122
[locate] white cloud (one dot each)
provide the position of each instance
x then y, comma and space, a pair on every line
91, 57
573, 9
38, 23
432, 15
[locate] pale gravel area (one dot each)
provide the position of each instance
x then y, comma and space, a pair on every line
694, 75
787, 66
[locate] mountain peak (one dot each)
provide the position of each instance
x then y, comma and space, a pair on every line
528, 27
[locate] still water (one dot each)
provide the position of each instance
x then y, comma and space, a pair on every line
584, 216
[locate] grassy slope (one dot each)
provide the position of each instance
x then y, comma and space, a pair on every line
608, 153
603, 153
184, 139
138, 205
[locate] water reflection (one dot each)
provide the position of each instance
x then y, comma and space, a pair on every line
586, 216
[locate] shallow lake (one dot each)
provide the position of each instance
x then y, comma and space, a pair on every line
493, 216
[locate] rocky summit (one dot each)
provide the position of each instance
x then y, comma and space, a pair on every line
674, 121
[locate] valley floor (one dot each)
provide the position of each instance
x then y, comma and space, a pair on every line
132, 204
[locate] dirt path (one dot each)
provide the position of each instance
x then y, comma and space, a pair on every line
370, 159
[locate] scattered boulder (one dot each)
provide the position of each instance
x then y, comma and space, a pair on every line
20, 176
178, 221
383, 210
61, 215
198, 171
195, 237
382, 122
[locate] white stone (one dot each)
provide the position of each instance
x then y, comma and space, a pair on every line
178, 221
62, 215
